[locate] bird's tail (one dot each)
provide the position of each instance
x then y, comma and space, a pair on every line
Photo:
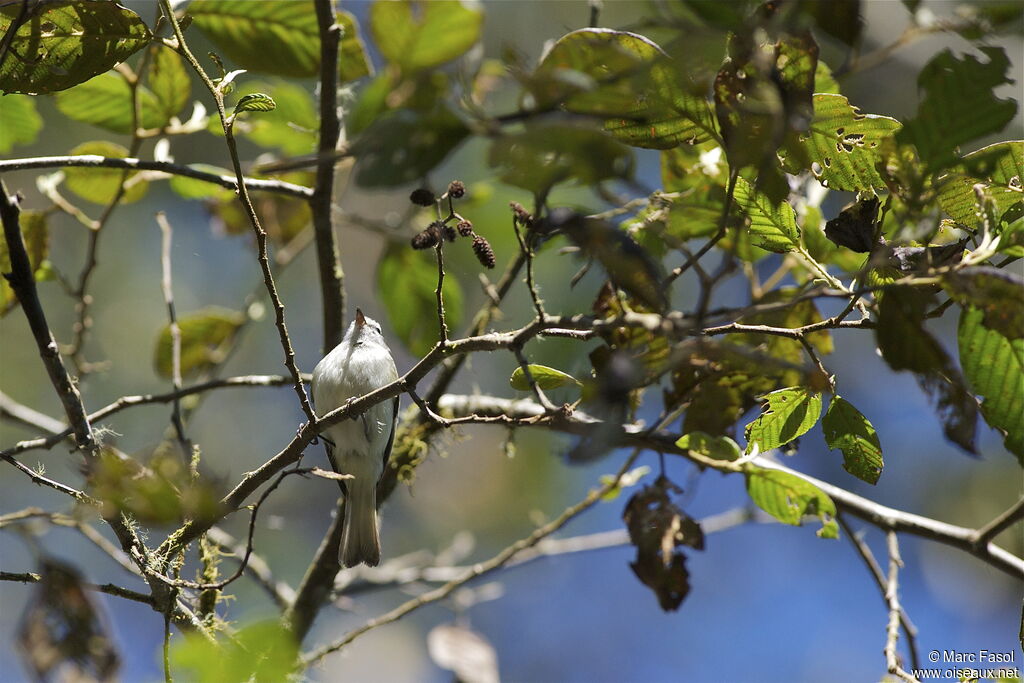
360, 542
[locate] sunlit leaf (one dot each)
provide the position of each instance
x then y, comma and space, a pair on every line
998, 169
100, 185
998, 294
169, 82
353, 62
545, 377
193, 188
257, 101
260, 651
788, 498
291, 125
843, 144
20, 123
424, 35
106, 101
772, 225
66, 42
787, 414
204, 335
407, 282
994, 366
715, 447
848, 430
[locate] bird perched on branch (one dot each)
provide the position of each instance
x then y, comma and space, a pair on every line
361, 445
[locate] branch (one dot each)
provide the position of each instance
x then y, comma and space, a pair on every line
279, 591
332, 285
108, 588
22, 414
892, 598
479, 569
96, 161
1001, 523
175, 330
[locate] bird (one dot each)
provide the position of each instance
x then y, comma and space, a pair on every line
358, 446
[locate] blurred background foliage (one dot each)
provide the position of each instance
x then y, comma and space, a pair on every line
767, 602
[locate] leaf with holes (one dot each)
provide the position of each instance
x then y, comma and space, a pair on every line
998, 169
21, 122
545, 377
772, 225
66, 42
407, 281
994, 367
788, 498
843, 144
848, 430
787, 414
204, 336
419, 36
100, 185
959, 104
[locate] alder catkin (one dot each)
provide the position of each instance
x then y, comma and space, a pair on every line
483, 251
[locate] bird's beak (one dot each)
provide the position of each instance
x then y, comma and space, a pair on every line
360, 319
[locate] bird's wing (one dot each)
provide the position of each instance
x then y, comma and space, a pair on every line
391, 437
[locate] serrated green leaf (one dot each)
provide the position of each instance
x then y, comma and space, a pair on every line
998, 168
772, 225
994, 367
36, 235
279, 37
843, 144
20, 123
824, 82
66, 42
545, 377
998, 294
169, 82
353, 63
848, 430
958, 105
788, 413
204, 334
256, 101
788, 498
715, 447
106, 101
99, 185
630, 82
407, 282
418, 36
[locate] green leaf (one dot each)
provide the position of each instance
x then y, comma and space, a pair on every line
958, 104
20, 123
106, 102
261, 651
999, 168
204, 335
772, 225
848, 430
418, 36
628, 80
291, 125
279, 37
544, 155
100, 185
36, 234
407, 282
824, 82
66, 42
353, 62
402, 146
256, 101
788, 413
545, 377
998, 294
715, 447
843, 144
994, 367
169, 82
788, 498
193, 188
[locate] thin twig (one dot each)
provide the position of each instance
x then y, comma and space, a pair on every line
168, 291
108, 588
892, 598
1001, 523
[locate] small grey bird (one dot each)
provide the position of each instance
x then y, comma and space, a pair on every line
359, 446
